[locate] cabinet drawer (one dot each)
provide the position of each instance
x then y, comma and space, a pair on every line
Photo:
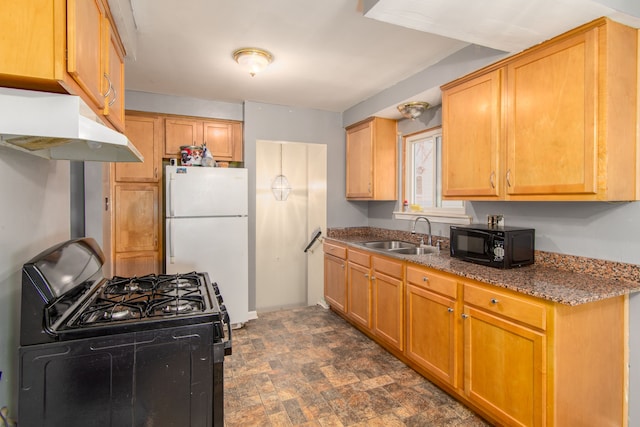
362, 258
335, 250
435, 282
389, 267
515, 307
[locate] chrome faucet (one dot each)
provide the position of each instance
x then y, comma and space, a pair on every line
413, 229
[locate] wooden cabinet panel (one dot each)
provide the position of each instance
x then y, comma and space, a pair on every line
219, 139
335, 250
179, 132
146, 133
359, 294
471, 137
432, 333
114, 107
131, 264
137, 217
371, 159
505, 368
562, 114
86, 49
551, 116
335, 283
388, 311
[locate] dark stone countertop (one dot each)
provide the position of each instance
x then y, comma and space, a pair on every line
552, 284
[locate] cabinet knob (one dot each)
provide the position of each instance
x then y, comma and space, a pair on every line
367, 276
494, 301
425, 279
342, 266
450, 310
464, 316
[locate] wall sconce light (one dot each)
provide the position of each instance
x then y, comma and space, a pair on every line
252, 59
412, 110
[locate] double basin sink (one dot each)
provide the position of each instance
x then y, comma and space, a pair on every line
399, 247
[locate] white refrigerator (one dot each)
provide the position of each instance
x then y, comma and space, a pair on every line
206, 229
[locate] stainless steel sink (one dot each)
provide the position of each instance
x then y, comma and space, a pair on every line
389, 245
422, 250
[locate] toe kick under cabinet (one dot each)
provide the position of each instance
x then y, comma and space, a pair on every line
515, 359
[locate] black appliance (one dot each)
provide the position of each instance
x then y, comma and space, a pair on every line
493, 245
140, 351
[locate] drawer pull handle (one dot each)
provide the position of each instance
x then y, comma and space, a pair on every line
450, 310
494, 301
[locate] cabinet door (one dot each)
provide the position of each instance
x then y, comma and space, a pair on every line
335, 283
471, 134
137, 217
145, 133
505, 368
86, 34
130, 264
359, 295
552, 130
432, 333
219, 139
359, 161
388, 308
179, 132
114, 108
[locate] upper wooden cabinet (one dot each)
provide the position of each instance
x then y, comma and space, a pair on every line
62, 46
555, 122
114, 108
222, 137
372, 160
145, 131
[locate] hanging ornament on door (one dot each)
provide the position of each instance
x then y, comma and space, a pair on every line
280, 186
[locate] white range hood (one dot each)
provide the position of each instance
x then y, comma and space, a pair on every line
59, 127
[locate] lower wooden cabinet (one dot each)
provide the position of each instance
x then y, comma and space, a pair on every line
432, 323
388, 300
359, 288
136, 227
515, 359
335, 276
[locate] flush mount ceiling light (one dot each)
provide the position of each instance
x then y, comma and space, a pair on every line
414, 109
252, 59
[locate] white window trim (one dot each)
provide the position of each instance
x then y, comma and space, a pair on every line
445, 215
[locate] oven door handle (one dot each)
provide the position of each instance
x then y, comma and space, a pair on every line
227, 343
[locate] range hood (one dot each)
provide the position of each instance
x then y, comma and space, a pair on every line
59, 127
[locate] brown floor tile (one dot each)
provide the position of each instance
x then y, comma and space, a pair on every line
307, 367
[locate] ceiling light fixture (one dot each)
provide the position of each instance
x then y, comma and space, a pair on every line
252, 59
412, 110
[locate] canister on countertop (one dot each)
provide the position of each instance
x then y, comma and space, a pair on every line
191, 155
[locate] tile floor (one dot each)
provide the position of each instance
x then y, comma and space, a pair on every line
308, 367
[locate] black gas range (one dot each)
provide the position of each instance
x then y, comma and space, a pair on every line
138, 351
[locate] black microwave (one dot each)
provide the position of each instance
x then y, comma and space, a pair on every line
493, 246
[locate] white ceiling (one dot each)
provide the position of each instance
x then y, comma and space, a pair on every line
327, 54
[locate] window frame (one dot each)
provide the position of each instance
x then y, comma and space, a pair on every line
449, 215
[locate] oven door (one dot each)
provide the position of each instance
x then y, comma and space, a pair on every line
161, 377
472, 245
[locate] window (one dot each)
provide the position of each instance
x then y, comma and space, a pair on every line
422, 180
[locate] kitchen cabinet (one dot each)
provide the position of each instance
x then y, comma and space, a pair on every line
514, 358
61, 46
145, 132
505, 367
555, 122
371, 152
433, 334
359, 288
136, 229
335, 276
222, 137
134, 202
114, 108
387, 280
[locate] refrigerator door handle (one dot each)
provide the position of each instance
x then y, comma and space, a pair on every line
171, 246
171, 208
